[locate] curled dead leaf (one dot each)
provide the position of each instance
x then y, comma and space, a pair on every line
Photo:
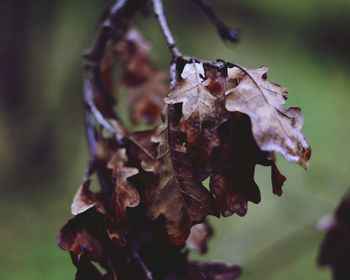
275, 128
83, 236
84, 199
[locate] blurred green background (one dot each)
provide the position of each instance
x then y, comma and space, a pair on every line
43, 151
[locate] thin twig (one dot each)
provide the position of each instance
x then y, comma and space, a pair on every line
88, 99
225, 32
91, 81
148, 274
91, 77
159, 12
117, 6
176, 54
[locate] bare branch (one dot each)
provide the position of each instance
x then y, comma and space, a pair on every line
93, 58
88, 99
159, 12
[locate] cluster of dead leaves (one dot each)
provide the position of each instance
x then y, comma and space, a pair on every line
218, 124
231, 122
112, 227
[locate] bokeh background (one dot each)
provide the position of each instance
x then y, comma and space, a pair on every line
43, 151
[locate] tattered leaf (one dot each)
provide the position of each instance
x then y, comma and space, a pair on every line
84, 199
277, 179
144, 149
201, 93
83, 236
233, 167
179, 196
125, 195
275, 129
192, 92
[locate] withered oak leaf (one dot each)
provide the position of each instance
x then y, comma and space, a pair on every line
274, 127
179, 196
201, 93
233, 167
203, 107
125, 195
87, 239
193, 93
84, 199
84, 236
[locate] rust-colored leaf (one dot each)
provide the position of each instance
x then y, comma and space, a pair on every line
202, 104
144, 149
193, 93
125, 195
83, 236
201, 93
233, 166
179, 196
277, 178
84, 199
275, 128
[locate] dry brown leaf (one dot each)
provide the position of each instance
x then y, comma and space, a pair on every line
192, 92
277, 178
125, 195
86, 238
82, 237
275, 129
179, 196
85, 199
233, 166
144, 149
202, 104
203, 108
